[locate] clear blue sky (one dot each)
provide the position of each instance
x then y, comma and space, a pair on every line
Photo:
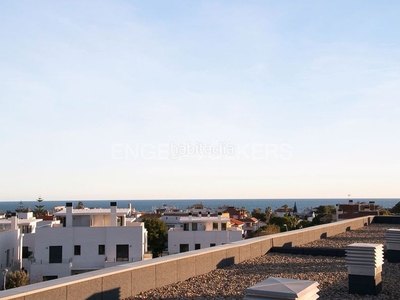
199, 99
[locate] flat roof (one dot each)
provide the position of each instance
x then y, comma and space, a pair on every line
93, 211
203, 219
330, 272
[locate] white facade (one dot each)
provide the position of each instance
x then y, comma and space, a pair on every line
201, 232
10, 249
85, 249
86, 240
172, 219
25, 222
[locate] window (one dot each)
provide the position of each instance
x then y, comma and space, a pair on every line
212, 245
194, 226
8, 258
186, 227
55, 254
197, 246
223, 226
183, 248
49, 277
25, 252
77, 250
102, 249
122, 252
26, 229
215, 226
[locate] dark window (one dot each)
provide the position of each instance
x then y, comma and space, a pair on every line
25, 252
55, 254
8, 258
49, 277
223, 226
77, 250
212, 245
215, 226
122, 252
102, 249
186, 227
183, 248
194, 226
197, 246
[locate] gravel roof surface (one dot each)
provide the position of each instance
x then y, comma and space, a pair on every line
329, 272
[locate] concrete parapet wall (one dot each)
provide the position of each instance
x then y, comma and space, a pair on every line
122, 281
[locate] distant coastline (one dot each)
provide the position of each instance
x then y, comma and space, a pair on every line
249, 204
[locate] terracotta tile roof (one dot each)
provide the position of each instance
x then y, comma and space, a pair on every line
236, 222
249, 220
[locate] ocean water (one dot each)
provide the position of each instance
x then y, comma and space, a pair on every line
148, 205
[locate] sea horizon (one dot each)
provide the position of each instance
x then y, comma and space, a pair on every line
182, 204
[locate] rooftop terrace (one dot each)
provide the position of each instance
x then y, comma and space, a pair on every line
330, 272
225, 271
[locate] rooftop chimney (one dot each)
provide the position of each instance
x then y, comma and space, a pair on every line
113, 214
14, 221
68, 216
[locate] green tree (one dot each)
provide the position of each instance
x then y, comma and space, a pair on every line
290, 222
277, 221
16, 279
384, 212
157, 235
295, 208
265, 230
304, 224
20, 207
326, 209
80, 205
257, 213
39, 211
268, 213
396, 209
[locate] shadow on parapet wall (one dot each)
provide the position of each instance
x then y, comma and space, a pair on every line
226, 262
106, 295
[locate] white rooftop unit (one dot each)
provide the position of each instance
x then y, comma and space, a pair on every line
364, 266
393, 239
275, 288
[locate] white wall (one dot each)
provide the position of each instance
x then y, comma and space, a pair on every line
89, 238
9, 243
204, 238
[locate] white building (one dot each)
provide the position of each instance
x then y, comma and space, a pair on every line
86, 240
10, 248
25, 222
198, 232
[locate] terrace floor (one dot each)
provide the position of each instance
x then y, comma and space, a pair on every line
329, 272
